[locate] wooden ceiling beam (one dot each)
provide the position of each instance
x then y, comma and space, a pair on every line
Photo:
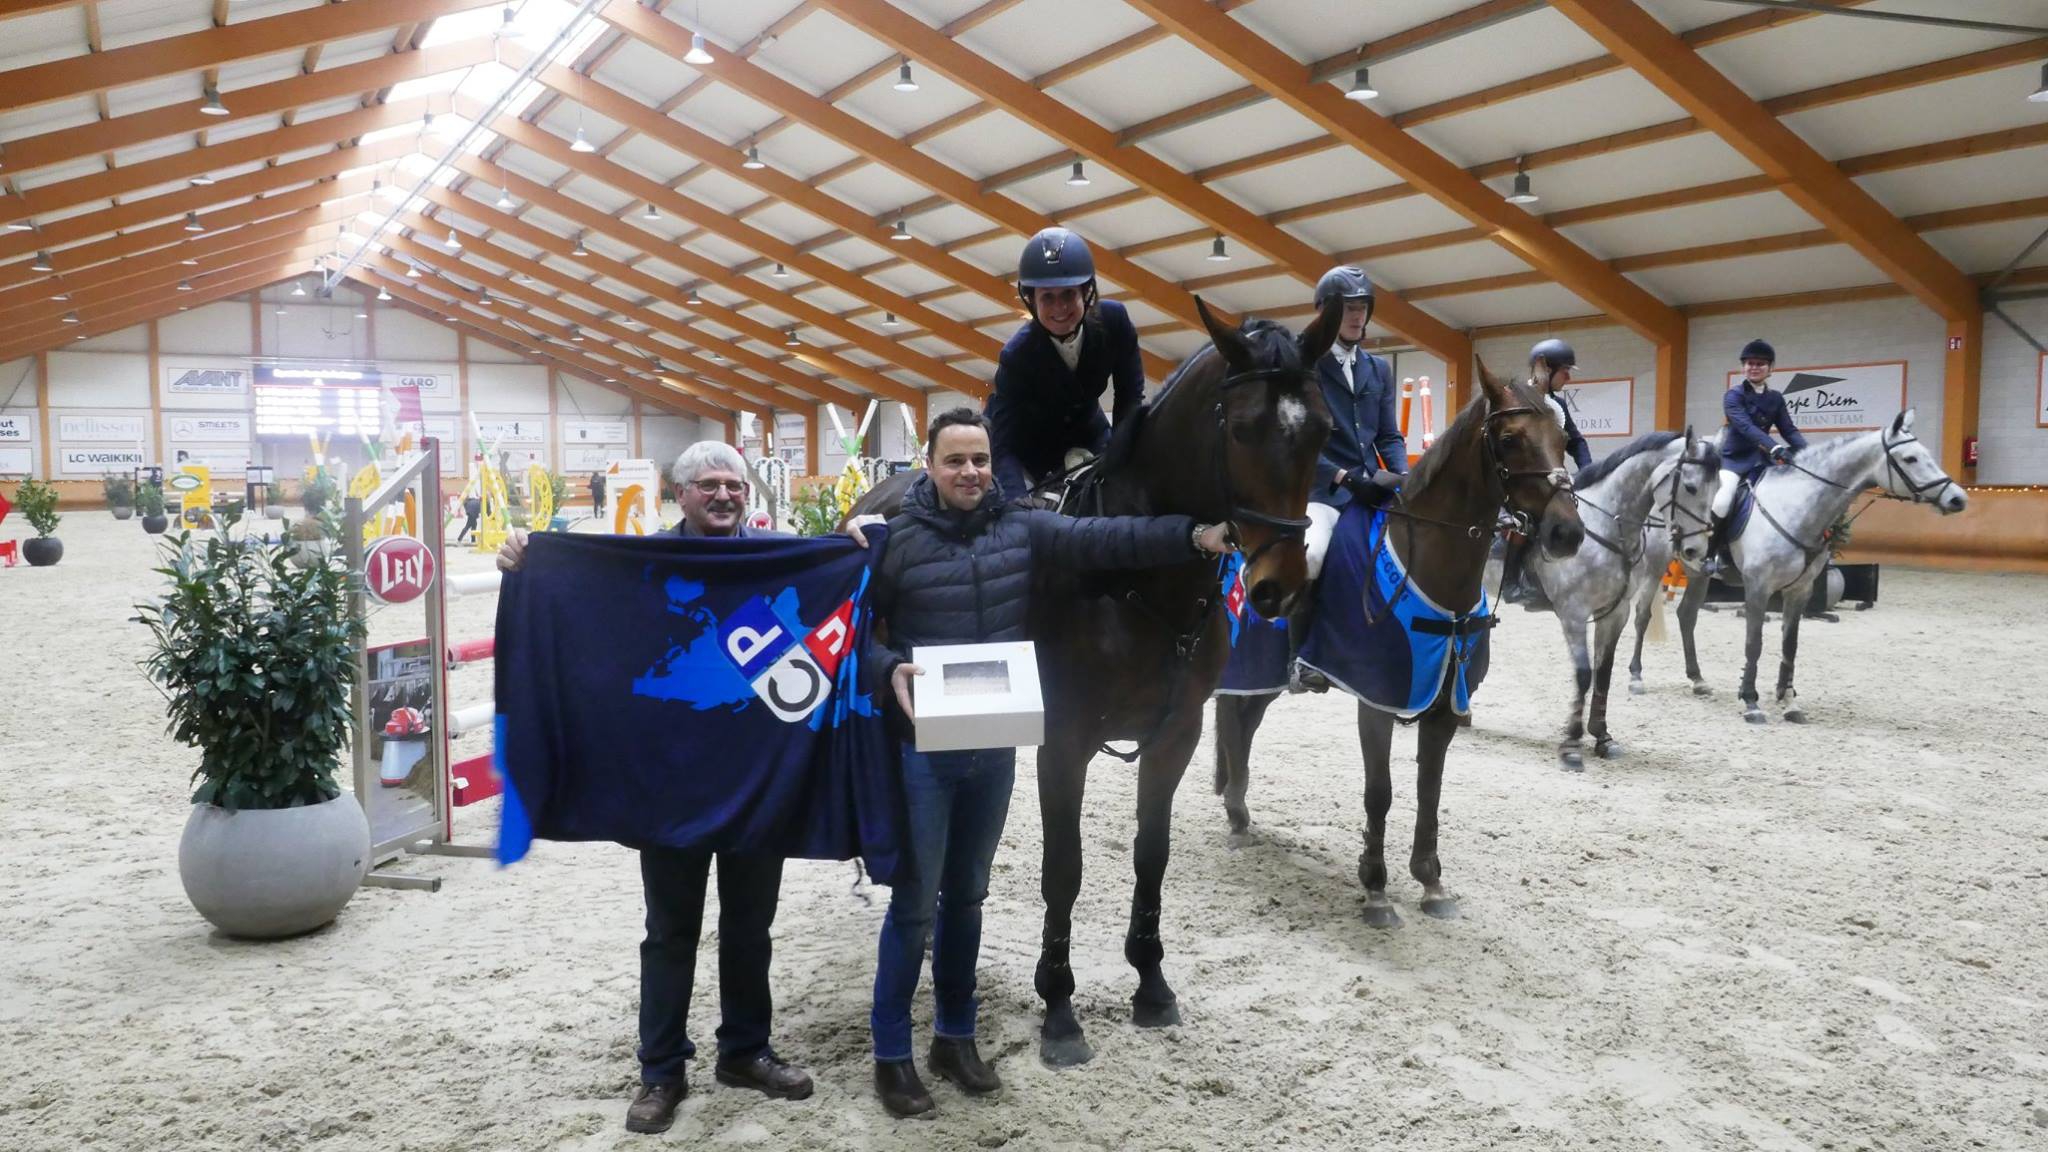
898, 29
224, 281
779, 374
56, 80
1804, 174
68, 144
329, 130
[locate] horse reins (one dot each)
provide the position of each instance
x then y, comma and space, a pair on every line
1891, 469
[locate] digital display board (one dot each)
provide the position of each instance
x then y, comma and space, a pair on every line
300, 401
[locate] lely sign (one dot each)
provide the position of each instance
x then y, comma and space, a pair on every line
398, 569
1840, 397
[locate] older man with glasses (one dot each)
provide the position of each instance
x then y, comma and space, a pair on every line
711, 486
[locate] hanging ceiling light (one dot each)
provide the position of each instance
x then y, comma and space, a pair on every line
905, 82
298, 289
1079, 177
21, 225
781, 273
753, 159
509, 26
576, 333
1522, 193
1361, 87
698, 53
62, 296
189, 262
902, 231
184, 285
483, 297
579, 249
412, 272
213, 106
71, 318
454, 242
652, 213
361, 314
505, 199
280, 309
694, 298
192, 223
2040, 95
580, 144
42, 263
790, 341
1217, 251
889, 320
383, 293
202, 181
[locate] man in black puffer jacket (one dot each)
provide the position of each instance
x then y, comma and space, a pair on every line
957, 570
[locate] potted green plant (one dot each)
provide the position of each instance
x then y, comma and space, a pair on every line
311, 542
816, 512
120, 493
38, 504
149, 500
256, 659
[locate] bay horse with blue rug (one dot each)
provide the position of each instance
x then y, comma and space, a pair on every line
1401, 617
1233, 437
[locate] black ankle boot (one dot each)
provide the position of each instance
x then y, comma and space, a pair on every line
901, 1092
960, 1062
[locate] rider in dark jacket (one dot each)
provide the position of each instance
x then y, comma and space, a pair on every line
1551, 363
1752, 408
1051, 375
957, 570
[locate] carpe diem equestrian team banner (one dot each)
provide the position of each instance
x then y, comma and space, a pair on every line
694, 694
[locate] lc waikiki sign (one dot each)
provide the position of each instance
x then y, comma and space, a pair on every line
1840, 397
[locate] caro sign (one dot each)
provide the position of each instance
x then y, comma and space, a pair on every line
398, 569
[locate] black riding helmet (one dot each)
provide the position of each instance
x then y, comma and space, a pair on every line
1759, 350
1055, 258
1347, 283
1553, 354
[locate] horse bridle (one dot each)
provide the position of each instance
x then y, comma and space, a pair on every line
1560, 481
1704, 524
1285, 527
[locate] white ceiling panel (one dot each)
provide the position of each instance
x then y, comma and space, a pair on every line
1356, 228
1683, 163
154, 94
1509, 50
1159, 78
789, 224
1443, 265
42, 37
1614, 102
1989, 247
646, 74
720, 250
991, 144
1988, 102
727, 114
1262, 126
1132, 223
722, 192
1507, 306
1314, 31
1049, 194
1305, 179
1016, 39
54, 116
597, 194
651, 158
1806, 54
1716, 222
1987, 179
879, 104
804, 152
1834, 266
820, 53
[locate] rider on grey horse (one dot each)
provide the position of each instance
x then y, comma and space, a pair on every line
1752, 408
1366, 456
1047, 399
1551, 363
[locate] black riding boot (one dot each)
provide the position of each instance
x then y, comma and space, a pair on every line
1300, 678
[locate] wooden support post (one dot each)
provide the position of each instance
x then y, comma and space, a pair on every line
158, 447
1671, 370
1962, 383
810, 440
43, 412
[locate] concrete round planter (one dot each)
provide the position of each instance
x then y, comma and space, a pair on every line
311, 553
155, 525
42, 551
123, 512
271, 873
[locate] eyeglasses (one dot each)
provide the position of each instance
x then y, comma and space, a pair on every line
714, 487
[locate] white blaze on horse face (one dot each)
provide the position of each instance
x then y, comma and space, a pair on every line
1293, 414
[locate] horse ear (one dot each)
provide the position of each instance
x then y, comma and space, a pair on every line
1230, 343
1902, 423
1321, 332
1495, 389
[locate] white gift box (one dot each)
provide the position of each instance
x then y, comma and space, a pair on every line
977, 696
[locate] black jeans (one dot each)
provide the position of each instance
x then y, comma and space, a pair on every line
674, 882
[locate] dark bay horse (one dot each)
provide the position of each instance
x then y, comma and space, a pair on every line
1232, 437
1505, 448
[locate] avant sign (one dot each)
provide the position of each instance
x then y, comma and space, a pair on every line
398, 569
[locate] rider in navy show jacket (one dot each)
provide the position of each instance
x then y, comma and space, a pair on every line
1752, 412
1365, 425
1043, 406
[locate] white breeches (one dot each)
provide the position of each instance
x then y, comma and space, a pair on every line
1725, 494
1322, 523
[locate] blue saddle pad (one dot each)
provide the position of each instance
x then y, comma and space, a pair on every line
1258, 662
1379, 638
1738, 512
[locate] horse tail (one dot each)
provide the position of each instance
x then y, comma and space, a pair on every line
1656, 631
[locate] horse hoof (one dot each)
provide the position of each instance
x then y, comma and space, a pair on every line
1440, 907
1699, 689
1064, 1051
1795, 716
1238, 838
1572, 760
1755, 716
1609, 749
1638, 688
1146, 1014
1380, 914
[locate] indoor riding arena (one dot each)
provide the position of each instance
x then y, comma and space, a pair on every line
431, 433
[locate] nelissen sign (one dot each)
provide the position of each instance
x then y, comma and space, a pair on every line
398, 569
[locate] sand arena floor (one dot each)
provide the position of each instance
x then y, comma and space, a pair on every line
1827, 937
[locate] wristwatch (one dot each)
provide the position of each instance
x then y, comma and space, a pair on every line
1195, 539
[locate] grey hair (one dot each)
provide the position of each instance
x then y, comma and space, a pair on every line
705, 455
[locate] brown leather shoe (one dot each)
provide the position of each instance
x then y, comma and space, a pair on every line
765, 1072
902, 1093
654, 1109
960, 1062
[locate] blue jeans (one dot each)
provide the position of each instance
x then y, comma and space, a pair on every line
958, 802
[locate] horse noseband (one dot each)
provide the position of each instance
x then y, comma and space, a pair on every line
1287, 527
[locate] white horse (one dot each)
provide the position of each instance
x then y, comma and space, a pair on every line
1596, 586
1682, 524
1785, 545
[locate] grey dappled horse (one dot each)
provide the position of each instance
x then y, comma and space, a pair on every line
1627, 546
1785, 546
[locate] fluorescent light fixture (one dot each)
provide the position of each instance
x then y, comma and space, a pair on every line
905, 82
1361, 88
698, 53
1079, 177
1217, 252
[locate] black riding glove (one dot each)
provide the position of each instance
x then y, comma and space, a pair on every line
1780, 453
1374, 489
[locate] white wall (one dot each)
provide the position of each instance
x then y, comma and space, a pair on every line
219, 329
1603, 354
2012, 443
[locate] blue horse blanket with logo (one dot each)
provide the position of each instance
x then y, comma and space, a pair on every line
1379, 638
694, 693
